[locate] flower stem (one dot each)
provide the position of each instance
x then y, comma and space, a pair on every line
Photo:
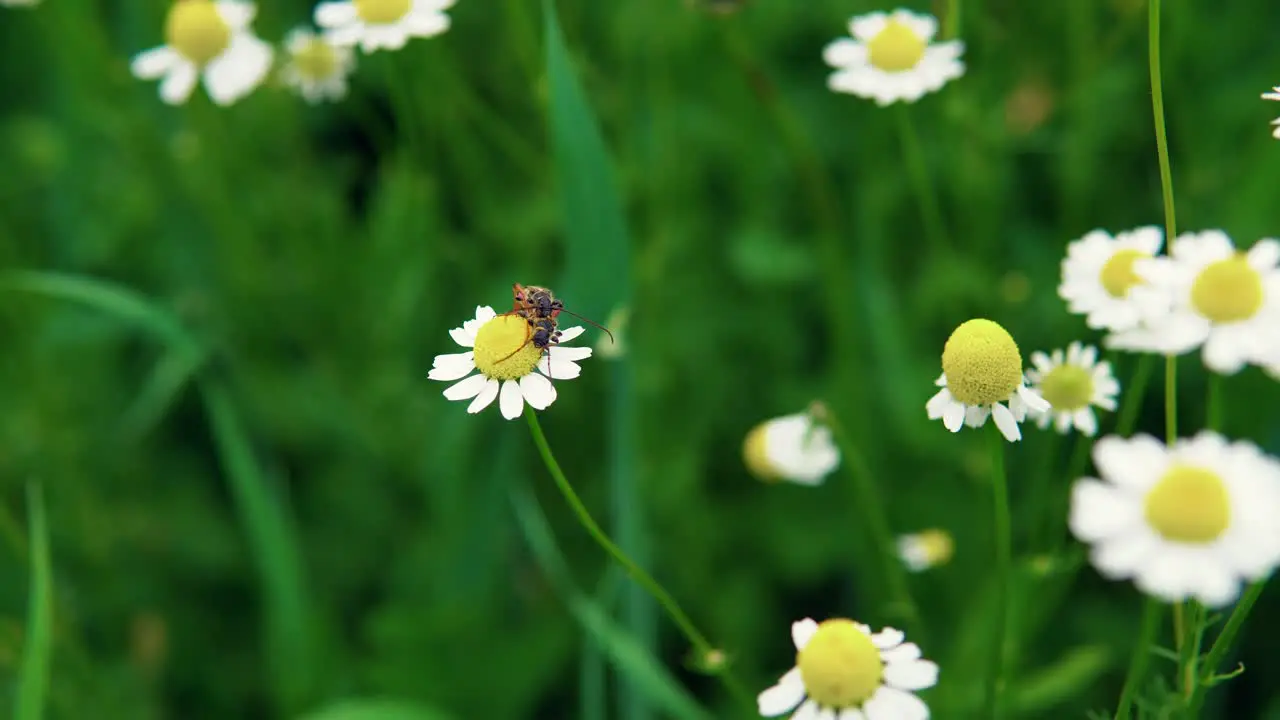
873, 513
703, 648
1141, 653
951, 23
1128, 416
1004, 563
1157, 109
926, 194
1223, 644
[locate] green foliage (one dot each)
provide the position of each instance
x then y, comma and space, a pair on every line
217, 323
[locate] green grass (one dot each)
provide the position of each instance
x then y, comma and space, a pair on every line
217, 326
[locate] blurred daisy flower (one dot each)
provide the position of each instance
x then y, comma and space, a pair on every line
1072, 385
1274, 95
317, 67
1191, 521
890, 58
19, 3
505, 362
210, 41
388, 24
1098, 279
981, 377
791, 447
926, 549
844, 672
1216, 297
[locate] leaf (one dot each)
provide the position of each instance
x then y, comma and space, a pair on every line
377, 709
1075, 671
33, 676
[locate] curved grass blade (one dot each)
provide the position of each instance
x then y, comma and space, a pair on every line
628, 656
33, 676
376, 709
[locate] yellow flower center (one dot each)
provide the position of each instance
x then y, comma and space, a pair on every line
502, 350
1067, 387
895, 48
1189, 504
1117, 275
196, 30
937, 545
756, 456
982, 363
840, 666
1228, 291
316, 60
382, 12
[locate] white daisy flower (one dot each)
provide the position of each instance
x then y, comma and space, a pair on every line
926, 549
211, 41
1191, 521
792, 447
317, 67
1216, 297
506, 361
890, 58
1274, 95
1098, 279
389, 24
848, 673
1071, 386
981, 377
19, 3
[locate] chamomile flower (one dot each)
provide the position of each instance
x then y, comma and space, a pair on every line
317, 67
1189, 521
1099, 282
981, 377
206, 40
508, 368
926, 549
791, 447
19, 3
844, 672
375, 24
1073, 385
890, 58
1217, 297
1274, 95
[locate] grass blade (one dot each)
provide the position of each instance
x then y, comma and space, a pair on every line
376, 709
33, 677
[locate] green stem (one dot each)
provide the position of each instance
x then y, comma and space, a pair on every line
873, 514
926, 193
1004, 563
1141, 653
1132, 403
951, 23
1157, 108
1223, 643
701, 647
1170, 399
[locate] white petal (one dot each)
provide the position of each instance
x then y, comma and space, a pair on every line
178, 84
236, 14
426, 24
938, 404
906, 652
1032, 399
537, 391
511, 402
1123, 555
1136, 463
559, 369
462, 337
1099, 510
914, 675
485, 397
953, 416
1225, 351
334, 14
852, 714
571, 353
1086, 421
807, 711
568, 334
892, 704
451, 367
153, 63
784, 696
844, 52
888, 638
236, 72
466, 389
1006, 422
802, 631
1264, 255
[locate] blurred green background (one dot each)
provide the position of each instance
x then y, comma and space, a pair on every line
259, 506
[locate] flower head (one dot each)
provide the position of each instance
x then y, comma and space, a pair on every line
1214, 296
209, 40
19, 3
317, 67
890, 58
791, 447
981, 373
505, 361
1098, 279
1190, 521
1274, 95
1073, 385
375, 24
848, 673
926, 549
